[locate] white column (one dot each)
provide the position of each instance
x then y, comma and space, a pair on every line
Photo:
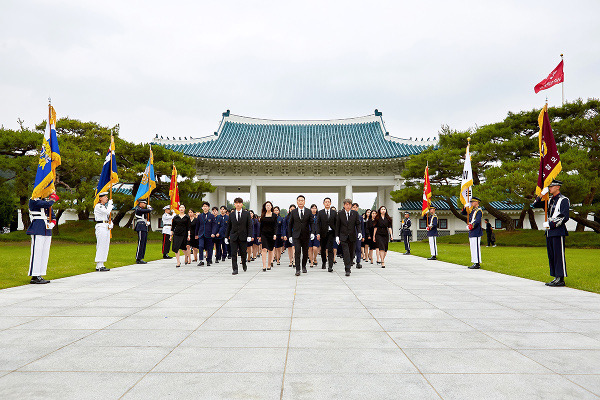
348, 193
211, 197
221, 196
380, 196
253, 196
394, 213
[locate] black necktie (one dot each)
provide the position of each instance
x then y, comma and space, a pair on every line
327, 214
300, 213
239, 215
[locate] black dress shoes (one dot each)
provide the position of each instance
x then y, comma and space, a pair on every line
103, 269
323, 266
38, 280
234, 273
304, 270
347, 273
432, 258
358, 266
208, 263
166, 257
297, 273
201, 263
330, 270
475, 266
407, 253
557, 282
217, 261
140, 262
551, 282
245, 268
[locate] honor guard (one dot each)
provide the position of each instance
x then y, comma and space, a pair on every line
558, 215
475, 215
167, 221
406, 232
40, 230
141, 227
432, 232
103, 226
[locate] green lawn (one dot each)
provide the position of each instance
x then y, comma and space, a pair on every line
529, 238
583, 266
66, 259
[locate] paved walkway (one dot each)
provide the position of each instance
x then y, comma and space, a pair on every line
415, 330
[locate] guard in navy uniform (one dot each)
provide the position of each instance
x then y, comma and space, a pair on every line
41, 236
556, 230
475, 232
432, 232
206, 230
141, 227
406, 232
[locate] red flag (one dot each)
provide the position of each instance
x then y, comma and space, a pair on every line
174, 191
550, 164
426, 193
556, 76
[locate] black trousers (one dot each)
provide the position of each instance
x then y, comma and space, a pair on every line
490, 242
327, 241
218, 248
242, 245
406, 238
166, 244
301, 245
556, 256
141, 247
348, 249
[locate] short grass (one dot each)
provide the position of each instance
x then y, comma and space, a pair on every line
66, 259
583, 266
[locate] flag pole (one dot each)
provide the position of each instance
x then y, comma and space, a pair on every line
111, 185
563, 82
50, 130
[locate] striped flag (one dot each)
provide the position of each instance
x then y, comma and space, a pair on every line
108, 176
426, 193
466, 184
174, 191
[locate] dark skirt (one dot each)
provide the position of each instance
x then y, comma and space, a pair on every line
179, 243
382, 242
278, 242
315, 242
195, 243
268, 242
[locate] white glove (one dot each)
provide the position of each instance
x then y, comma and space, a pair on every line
249, 238
546, 225
468, 228
291, 240
226, 241
110, 225
337, 240
149, 208
147, 223
51, 225
544, 191
110, 203
312, 236
359, 236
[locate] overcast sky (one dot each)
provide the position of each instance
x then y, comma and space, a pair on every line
173, 67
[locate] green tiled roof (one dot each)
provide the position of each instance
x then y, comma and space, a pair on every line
242, 138
442, 205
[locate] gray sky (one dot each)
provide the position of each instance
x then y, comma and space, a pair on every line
172, 67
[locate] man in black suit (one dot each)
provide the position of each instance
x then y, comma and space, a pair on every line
300, 232
239, 227
326, 232
346, 226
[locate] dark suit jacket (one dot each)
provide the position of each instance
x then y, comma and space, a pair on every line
323, 224
239, 230
300, 228
347, 228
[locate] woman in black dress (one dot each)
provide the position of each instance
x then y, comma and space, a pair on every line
370, 230
268, 233
193, 245
382, 232
180, 233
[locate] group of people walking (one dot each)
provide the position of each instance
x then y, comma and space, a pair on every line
305, 233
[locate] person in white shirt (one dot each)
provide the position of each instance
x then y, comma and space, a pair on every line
167, 221
103, 226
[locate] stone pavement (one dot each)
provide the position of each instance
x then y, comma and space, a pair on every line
416, 330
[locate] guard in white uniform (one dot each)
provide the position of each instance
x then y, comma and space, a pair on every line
167, 220
40, 231
103, 226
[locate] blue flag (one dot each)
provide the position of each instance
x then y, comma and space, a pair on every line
108, 176
48, 161
148, 181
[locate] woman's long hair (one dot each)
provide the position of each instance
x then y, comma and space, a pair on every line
264, 209
387, 216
